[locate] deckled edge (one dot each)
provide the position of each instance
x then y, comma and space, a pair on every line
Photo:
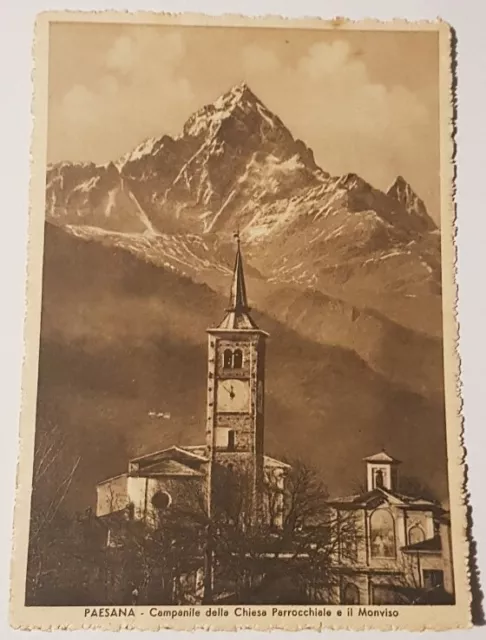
457, 468
455, 426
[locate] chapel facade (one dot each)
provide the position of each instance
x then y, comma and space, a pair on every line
400, 551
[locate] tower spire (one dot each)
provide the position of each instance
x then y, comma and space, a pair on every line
238, 301
238, 311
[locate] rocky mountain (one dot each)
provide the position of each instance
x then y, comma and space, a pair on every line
123, 369
187, 183
403, 193
347, 278
236, 165
89, 194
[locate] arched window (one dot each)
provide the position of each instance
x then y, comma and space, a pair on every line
382, 534
227, 359
415, 534
237, 359
161, 500
351, 594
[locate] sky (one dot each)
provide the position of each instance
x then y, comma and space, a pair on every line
365, 102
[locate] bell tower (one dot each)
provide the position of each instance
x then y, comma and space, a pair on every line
235, 399
381, 472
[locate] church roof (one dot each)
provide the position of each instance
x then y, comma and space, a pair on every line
196, 453
365, 499
183, 461
235, 320
197, 450
169, 468
431, 545
371, 499
269, 462
382, 456
169, 462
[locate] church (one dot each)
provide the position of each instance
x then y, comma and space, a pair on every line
234, 431
401, 552
400, 548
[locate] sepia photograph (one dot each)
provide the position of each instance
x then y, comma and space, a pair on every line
243, 396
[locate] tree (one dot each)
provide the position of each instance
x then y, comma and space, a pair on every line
156, 560
286, 554
278, 549
53, 473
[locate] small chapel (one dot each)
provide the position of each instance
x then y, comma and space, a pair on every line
234, 430
401, 552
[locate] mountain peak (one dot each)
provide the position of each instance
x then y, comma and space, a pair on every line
238, 92
238, 96
400, 187
352, 181
240, 89
238, 101
403, 193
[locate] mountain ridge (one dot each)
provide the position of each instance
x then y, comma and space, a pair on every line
121, 338
217, 125
236, 166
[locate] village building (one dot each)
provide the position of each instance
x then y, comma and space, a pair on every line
401, 550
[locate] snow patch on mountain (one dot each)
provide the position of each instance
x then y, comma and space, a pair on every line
402, 192
236, 166
235, 103
187, 254
147, 147
87, 185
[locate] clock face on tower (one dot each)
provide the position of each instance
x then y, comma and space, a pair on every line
233, 396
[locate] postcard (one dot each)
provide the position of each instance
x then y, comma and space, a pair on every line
240, 389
